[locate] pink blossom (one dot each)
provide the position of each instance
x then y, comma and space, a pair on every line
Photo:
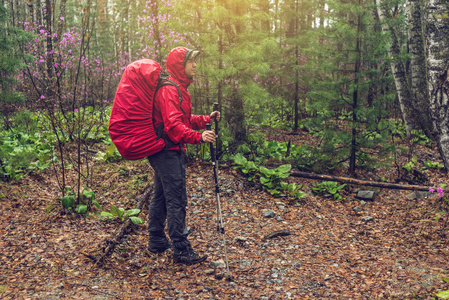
42, 97
431, 190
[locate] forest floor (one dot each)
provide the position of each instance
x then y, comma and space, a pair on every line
333, 251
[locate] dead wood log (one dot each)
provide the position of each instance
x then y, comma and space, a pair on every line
126, 228
277, 233
361, 182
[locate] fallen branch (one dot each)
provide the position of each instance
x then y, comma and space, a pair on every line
126, 228
361, 182
277, 233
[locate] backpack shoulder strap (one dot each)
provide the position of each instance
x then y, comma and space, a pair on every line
163, 81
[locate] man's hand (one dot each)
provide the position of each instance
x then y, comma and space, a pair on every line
208, 136
215, 115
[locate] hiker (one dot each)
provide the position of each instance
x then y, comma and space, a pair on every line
177, 125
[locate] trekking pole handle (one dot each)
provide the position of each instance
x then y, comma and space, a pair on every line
216, 121
212, 152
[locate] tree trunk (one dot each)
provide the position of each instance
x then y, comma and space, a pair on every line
48, 14
418, 66
398, 68
31, 10
355, 96
61, 19
157, 34
437, 33
38, 13
296, 125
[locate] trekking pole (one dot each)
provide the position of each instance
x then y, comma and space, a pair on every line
220, 226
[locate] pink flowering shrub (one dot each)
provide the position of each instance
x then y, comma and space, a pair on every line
68, 77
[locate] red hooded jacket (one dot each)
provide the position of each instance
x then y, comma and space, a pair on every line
179, 127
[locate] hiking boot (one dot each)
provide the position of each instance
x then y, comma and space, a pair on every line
187, 256
159, 248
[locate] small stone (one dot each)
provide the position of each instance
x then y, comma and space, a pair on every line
275, 275
357, 209
95, 287
418, 195
362, 202
288, 294
217, 264
365, 195
209, 271
219, 276
241, 239
268, 214
367, 218
327, 277
279, 218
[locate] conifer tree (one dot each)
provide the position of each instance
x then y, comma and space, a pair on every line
347, 55
11, 60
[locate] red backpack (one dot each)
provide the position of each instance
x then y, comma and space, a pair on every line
131, 124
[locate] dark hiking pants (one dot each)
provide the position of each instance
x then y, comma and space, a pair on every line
169, 199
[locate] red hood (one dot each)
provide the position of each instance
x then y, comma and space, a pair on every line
175, 65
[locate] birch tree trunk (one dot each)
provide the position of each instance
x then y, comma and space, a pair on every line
437, 34
398, 68
418, 66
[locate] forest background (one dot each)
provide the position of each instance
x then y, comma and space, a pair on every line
366, 80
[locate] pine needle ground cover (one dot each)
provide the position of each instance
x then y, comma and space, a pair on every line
389, 248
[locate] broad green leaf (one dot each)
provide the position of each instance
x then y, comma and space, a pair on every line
252, 166
105, 214
284, 168
136, 220
285, 185
68, 201
115, 211
132, 212
95, 202
264, 180
443, 294
89, 194
81, 208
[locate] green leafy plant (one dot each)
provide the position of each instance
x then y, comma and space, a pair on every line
248, 167
411, 164
120, 214
85, 201
418, 137
21, 153
292, 190
110, 155
271, 178
433, 165
443, 294
329, 189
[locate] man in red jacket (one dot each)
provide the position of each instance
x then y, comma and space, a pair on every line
175, 123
